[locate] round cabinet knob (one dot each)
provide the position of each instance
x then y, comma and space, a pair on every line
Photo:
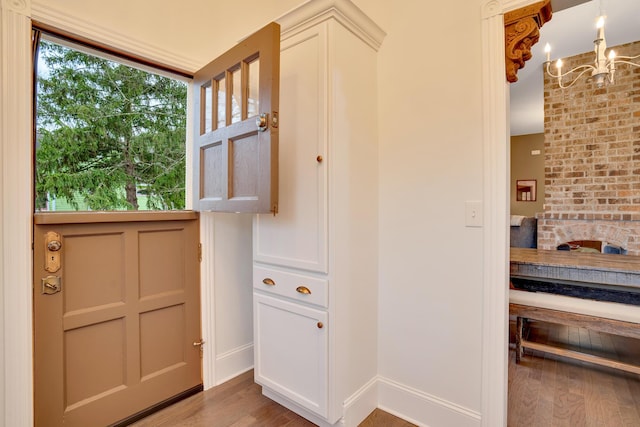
319, 159
320, 325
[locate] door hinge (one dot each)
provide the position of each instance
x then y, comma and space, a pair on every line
200, 252
274, 210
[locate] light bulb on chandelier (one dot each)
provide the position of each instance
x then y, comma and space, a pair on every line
602, 69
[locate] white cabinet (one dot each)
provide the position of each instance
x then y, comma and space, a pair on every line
291, 351
297, 236
315, 262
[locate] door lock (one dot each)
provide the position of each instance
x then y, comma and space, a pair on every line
51, 285
53, 244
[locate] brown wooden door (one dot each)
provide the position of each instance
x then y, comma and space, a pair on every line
235, 165
116, 335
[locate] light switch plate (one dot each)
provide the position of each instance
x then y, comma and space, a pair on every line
473, 213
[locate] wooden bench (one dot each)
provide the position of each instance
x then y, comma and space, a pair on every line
599, 324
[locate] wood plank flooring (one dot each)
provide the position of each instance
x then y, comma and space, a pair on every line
547, 390
240, 403
544, 390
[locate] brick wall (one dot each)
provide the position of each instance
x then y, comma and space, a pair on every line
592, 157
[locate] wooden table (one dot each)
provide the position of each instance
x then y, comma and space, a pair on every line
612, 270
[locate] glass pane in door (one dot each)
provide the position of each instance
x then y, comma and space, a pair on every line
206, 113
236, 99
222, 102
254, 88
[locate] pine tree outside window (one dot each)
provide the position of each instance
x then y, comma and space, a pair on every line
108, 136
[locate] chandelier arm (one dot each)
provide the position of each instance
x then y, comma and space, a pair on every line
586, 68
573, 81
627, 57
626, 62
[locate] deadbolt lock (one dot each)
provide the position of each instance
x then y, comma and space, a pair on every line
51, 285
262, 121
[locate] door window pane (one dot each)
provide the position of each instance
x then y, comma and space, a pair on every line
206, 112
254, 88
222, 102
236, 99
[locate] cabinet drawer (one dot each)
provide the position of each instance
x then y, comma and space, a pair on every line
291, 285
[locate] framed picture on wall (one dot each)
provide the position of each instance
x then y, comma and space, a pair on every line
526, 190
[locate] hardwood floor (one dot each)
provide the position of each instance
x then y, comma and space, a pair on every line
546, 390
240, 403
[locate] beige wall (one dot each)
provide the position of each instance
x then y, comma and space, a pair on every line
527, 165
430, 163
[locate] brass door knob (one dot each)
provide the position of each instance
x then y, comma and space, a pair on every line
261, 122
54, 245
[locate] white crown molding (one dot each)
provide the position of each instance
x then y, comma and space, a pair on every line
22, 7
91, 30
491, 8
344, 11
509, 5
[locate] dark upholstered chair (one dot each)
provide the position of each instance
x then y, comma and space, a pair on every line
525, 235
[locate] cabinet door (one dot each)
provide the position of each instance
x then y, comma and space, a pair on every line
291, 351
297, 235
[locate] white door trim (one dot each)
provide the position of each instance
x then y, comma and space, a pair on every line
495, 103
15, 206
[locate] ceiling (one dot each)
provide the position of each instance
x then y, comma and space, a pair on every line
570, 31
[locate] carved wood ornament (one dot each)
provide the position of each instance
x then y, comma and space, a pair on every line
521, 32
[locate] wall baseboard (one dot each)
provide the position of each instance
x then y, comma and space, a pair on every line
423, 409
233, 363
362, 403
402, 401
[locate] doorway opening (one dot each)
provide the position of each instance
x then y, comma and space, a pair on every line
109, 134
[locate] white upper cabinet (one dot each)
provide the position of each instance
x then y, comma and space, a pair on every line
297, 235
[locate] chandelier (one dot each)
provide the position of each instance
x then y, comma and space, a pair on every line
603, 68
